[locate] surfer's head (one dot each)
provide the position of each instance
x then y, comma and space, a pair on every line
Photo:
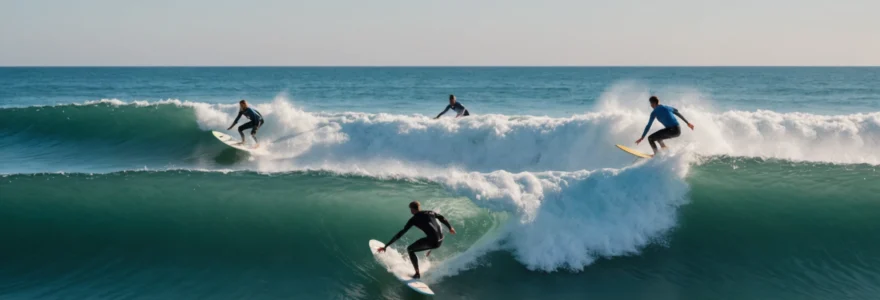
451, 99
654, 101
415, 207
242, 104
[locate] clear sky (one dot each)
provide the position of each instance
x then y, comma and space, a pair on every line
439, 32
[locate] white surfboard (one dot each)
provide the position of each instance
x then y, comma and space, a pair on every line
234, 143
402, 269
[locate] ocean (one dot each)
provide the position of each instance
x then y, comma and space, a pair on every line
112, 186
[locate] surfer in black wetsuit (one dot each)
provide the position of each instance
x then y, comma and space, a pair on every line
425, 220
255, 123
456, 106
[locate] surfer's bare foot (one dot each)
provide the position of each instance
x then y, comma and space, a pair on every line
417, 276
256, 146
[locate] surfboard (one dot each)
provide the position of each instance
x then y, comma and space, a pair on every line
234, 143
402, 269
633, 152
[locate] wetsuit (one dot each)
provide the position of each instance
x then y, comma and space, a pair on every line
458, 108
425, 220
666, 116
255, 123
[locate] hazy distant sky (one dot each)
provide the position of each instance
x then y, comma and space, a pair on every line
439, 32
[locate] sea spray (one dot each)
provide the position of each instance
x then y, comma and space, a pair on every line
566, 220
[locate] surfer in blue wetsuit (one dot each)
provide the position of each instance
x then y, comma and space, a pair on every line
425, 220
456, 106
666, 116
256, 120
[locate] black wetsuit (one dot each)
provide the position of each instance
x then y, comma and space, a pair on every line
255, 123
457, 107
425, 220
663, 134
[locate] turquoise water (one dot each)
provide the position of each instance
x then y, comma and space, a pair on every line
513, 90
112, 187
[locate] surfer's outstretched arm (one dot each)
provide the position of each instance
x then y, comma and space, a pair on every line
651, 121
444, 111
406, 228
446, 223
675, 111
236, 120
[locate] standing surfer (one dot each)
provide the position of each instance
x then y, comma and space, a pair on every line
666, 116
456, 106
425, 220
256, 120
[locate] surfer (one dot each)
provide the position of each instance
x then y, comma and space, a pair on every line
425, 220
255, 123
456, 106
666, 116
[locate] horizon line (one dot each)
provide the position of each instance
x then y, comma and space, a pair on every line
439, 66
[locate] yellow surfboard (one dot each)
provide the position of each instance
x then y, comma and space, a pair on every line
633, 152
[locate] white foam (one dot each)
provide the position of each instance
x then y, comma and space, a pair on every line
532, 143
566, 220
529, 143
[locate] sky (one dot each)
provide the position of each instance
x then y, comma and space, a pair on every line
439, 33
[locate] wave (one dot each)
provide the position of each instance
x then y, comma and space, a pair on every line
173, 133
558, 220
775, 217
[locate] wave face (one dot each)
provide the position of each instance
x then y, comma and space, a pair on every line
785, 229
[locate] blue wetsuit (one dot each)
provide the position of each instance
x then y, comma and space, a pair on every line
666, 116
457, 107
